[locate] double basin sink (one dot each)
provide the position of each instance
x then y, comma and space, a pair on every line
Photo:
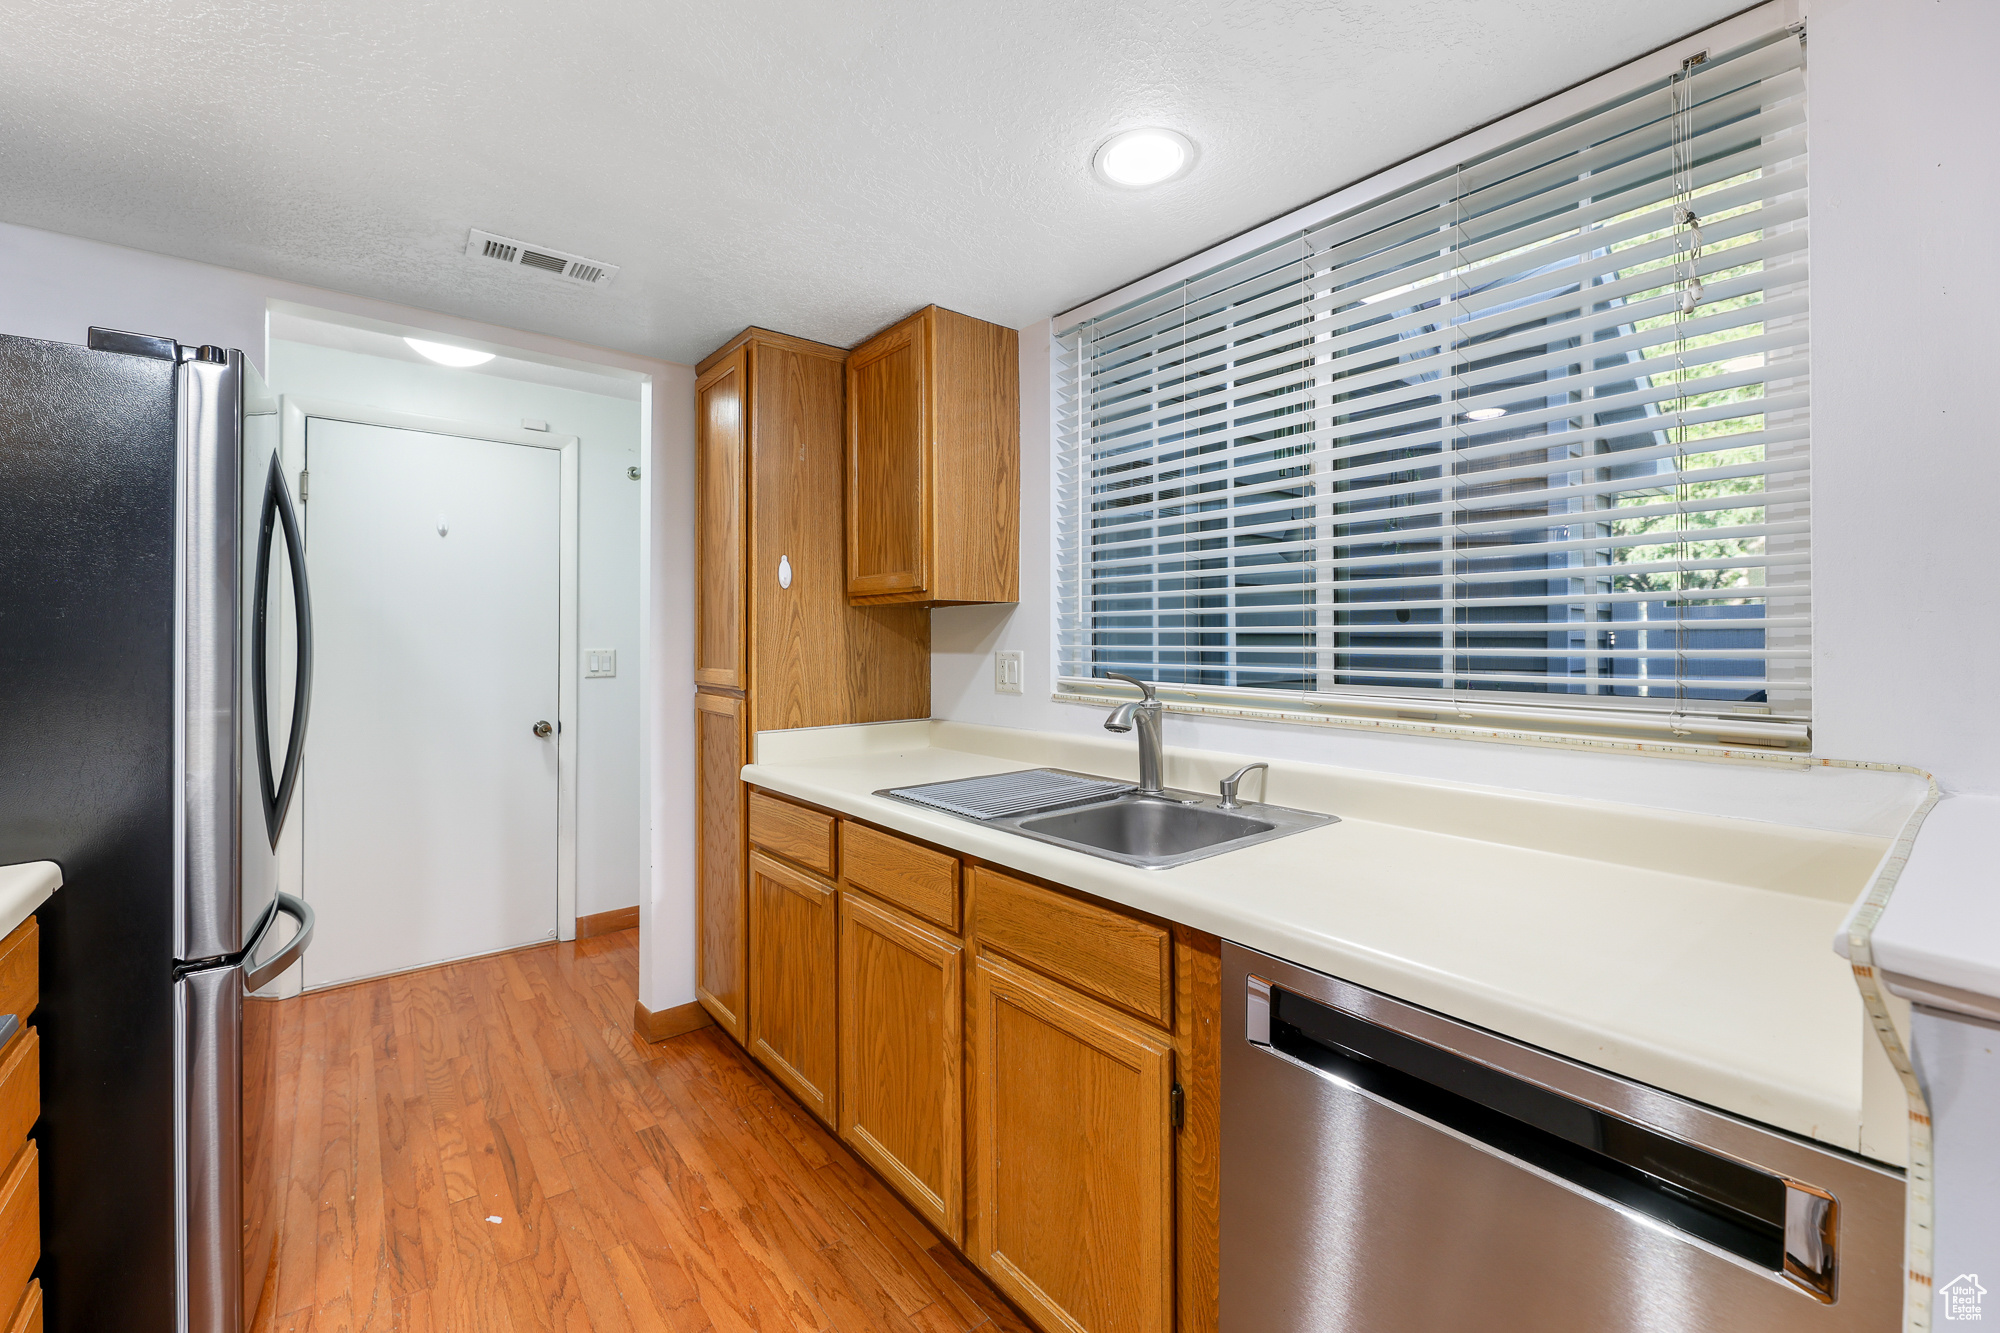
1152, 832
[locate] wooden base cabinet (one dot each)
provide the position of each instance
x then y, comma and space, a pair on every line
794, 980
722, 934
1074, 1169
1032, 1070
20, 1220
28, 1314
20, 1108
901, 1055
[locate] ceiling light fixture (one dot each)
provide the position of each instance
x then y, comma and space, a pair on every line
1485, 413
459, 358
1138, 158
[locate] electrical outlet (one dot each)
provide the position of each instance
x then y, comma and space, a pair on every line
1006, 673
600, 662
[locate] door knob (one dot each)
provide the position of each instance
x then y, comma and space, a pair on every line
544, 730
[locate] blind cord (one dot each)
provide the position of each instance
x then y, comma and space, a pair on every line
1688, 245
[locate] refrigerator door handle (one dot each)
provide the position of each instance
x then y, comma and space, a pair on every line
208, 1133
280, 515
263, 974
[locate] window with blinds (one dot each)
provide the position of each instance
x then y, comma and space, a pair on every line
1525, 440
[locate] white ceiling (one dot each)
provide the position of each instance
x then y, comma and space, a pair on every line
820, 168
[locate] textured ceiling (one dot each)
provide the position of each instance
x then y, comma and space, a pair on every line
821, 168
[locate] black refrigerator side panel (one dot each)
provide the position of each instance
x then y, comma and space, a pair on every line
87, 700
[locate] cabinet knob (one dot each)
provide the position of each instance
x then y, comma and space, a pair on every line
784, 571
543, 730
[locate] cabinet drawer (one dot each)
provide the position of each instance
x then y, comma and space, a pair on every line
20, 1093
915, 878
1107, 954
20, 970
20, 1221
792, 831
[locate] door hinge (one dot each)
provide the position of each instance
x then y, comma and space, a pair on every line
1177, 1104
305, 485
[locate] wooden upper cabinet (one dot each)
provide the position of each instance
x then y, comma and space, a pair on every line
888, 466
934, 463
772, 612
722, 439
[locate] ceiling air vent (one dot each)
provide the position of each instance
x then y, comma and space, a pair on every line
485, 246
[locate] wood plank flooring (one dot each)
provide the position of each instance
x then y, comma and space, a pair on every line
487, 1146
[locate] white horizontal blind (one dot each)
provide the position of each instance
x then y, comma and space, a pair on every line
1534, 430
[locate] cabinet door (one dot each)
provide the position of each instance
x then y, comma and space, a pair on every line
888, 463
901, 1090
722, 433
1073, 1172
794, 965
720, 966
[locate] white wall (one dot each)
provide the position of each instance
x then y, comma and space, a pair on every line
667, 933
56, 287
1905, 99
607, 431
1905, 457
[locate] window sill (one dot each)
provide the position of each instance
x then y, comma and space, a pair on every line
1756, 737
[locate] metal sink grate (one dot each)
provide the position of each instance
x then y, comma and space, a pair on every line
1002, 794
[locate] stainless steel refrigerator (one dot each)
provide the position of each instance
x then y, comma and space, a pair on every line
155, 676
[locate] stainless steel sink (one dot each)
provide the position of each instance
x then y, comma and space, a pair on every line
1155, 832
1146, 828
1152, 832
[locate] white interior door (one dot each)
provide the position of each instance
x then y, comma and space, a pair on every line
430, 803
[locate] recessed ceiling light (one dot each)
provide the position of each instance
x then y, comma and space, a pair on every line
1485, 413
1138, 158
447, 355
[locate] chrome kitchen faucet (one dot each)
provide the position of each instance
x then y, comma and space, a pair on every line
1148, 712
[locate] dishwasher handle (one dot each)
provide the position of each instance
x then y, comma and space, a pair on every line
1812, 1232
1257, 1021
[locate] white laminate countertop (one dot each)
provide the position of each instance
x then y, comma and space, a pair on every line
1939, 939
23, 888
1684, 950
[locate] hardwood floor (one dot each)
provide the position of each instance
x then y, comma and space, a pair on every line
487, 1146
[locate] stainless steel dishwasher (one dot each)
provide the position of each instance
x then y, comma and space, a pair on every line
1389, 1170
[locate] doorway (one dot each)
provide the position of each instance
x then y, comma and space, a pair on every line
437, 802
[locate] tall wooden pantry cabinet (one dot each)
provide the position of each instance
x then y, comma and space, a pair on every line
777, 644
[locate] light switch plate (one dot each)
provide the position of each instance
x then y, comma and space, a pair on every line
1006, 673
600, 662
